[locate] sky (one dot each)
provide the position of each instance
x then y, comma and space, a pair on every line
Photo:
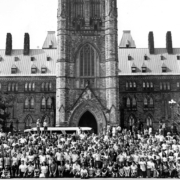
140, 16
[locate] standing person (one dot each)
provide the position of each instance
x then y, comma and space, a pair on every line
45, 124
38, 125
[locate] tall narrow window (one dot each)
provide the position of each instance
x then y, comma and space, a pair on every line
144, 85
30, 86
128, 104
33, 87
87, 61
47, 86
131, 121
26, 104
50, 86
49, 103
9, 87
32, 103
145, 102
42, 86
127, 85
149, 121
151, 102
26, 87
16, 87
134, 84
13, 87
134, 102
0, 87
43, 103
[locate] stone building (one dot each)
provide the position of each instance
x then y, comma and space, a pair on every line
82, 77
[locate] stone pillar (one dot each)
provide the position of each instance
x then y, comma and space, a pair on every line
61, 64
111, 55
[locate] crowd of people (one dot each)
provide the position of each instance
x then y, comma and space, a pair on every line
115, 153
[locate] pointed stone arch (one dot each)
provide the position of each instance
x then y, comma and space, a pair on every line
28, 121
93, 109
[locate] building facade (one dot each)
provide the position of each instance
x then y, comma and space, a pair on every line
82, 77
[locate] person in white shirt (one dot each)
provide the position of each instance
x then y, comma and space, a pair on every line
22, 169
44, 170
84, 173
76, 169
45, 124
38, 126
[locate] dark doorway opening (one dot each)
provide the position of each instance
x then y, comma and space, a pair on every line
88, 120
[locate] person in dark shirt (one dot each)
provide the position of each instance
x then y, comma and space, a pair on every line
115, 170
104, 171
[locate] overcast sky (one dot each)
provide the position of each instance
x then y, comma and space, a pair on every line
140, 16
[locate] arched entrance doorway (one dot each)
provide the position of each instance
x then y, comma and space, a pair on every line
88, 120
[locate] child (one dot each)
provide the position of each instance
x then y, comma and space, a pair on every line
115, 170
127, 170
98, 172
121, 171
104, 171
36, 171
91, 171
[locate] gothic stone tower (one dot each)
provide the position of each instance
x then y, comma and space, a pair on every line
87, 81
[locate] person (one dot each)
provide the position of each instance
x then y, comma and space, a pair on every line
84, 173
38, 125
45, 124
53, 169
22, 169
76, 169
91, 171
6, 173
30, 170
134, 170
14, 165
43, 170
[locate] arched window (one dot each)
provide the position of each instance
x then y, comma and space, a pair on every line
13, 87
128, 103
16, 88
33, 86
131, 121
130, 84
144, 85
32, 103
49, 103
43, 103
26, 87
152, 85
168, 86
26, 104
145, 102
161, 86
134, 85
9, 87
151, 102
127, 85
164, 84
134, 102
149, 121
87, 61
47, 86
28, 122
0, 87
30, 85
50, 86
43, 86
147, 84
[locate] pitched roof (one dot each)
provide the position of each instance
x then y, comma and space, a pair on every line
50, 41
127, 40
24, 64
144, 65
154, 62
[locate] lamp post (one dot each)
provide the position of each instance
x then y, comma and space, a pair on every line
172, 104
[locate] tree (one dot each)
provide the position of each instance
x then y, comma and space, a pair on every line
8, 44
169, 46
151, 42
26, 44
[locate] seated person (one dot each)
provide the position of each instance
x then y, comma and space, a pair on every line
115, 170
76, 169
98, 172
30, 170
36, 171
53, 169
22, 169
84, 173
91, 171
6, 173
43, 170
61, 169
104, 171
